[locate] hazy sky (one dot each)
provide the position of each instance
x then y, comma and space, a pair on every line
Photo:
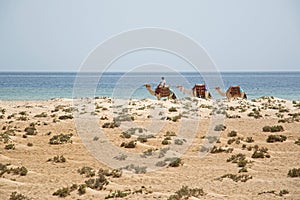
239, 35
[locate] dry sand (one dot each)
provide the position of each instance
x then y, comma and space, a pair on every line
269, 175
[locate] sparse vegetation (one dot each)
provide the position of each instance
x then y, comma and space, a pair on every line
277, 128
185, 193
237, 178
61, 139
57, 159
220, 127
62, 192
172, 109
10, 147
131, 144
113, 124
136, 169
64, 117
18, 196
260, 152
297, 142
232, 134
31, 130
118, 194
221, 149
87, 171
295, 172
276, 138
43, 114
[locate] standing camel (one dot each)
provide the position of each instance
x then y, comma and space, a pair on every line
164, 92
233, 92
199, 90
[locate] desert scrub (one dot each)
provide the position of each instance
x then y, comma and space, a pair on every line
136, 169
237, 178
121, 157
118, 194
10, 147
276, 138
249, 140
170, 133
62, 192
174, 162
61, 139
18, 196
294, 172
260, 152
97, 183
64, 117
232, 134
30, 130
256, 114
22, 171
4, 137
172, 109
87, 171
57, 159
219, 150
185, 193
165, 142
220, 127
43, 114
123, 118
277, 128
29, 144
297, 142
239, 159
131, 144
175, 118
113, 124
82, 189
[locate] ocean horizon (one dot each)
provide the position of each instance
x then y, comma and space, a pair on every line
49, 85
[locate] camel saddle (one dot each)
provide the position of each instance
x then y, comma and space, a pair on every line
235, 90
200, 90
164, 91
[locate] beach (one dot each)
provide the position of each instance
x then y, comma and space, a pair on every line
254, 145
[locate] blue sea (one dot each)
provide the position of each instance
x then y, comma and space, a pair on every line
48, 85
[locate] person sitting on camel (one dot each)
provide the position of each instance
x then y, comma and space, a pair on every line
161, 84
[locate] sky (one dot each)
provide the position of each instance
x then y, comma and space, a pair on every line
238, 35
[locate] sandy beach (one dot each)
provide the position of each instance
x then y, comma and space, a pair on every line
256, 146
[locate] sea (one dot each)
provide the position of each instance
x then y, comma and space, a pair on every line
49, 85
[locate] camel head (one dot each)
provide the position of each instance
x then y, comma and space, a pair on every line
179, 86
217, 88
147, 85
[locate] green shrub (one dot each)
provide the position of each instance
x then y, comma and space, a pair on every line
87, 171
113, 124
62, 192
58, 159
61, 139
220, 127
174, 162
118, 194
232, 134
64, 117
131, 144
17, 196
283, 192
97, 183
277, 128
249, 139
10, 147
136, 169
276, 138
30, 130
185, 193
172, 109
294, 172
43, 114
82, 189
237, 178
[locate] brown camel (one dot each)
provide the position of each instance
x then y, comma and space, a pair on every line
199, 90
163, 92
233, 92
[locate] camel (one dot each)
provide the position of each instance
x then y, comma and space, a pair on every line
233, 92
164, 92
199, 90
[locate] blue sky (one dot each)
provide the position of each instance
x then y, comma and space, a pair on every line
239, 35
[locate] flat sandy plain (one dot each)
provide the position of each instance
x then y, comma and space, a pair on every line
152, 122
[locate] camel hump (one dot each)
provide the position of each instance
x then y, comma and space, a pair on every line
165, 91
200, 90
235, 90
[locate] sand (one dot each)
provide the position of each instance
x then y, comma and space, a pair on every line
269, 176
